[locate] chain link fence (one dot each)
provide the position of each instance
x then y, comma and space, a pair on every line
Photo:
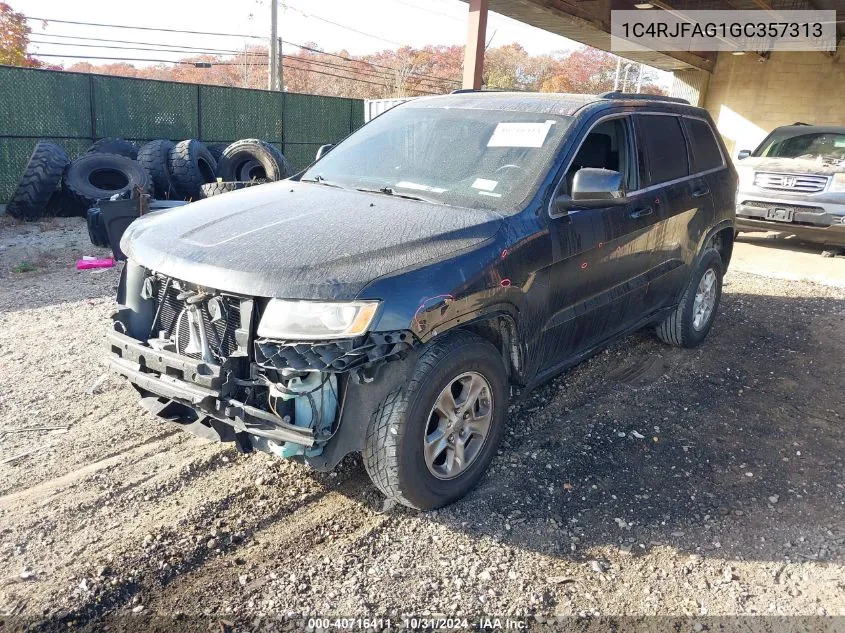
74, 109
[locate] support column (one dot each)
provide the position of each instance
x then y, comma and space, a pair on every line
474, 49
690, 85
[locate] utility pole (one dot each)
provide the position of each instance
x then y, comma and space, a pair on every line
616, 79
273, 79
281, 67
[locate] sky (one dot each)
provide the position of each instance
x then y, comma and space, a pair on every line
358, 26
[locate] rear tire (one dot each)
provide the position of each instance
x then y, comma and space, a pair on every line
40, 180
401, 428
690, 322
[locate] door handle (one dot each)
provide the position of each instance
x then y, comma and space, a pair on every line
641, 213
701, 191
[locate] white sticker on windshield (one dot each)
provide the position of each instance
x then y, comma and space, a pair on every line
414, 185
512, 134
484, 184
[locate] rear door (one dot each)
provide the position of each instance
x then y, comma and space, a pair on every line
666, 173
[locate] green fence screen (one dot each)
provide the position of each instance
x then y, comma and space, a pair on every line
74, 109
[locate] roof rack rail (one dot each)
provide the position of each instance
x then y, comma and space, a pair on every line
460, 91
616, 94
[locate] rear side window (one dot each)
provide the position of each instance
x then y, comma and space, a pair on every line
705, 148
663, 148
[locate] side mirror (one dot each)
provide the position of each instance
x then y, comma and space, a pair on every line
592, 184
324, 149
743, 153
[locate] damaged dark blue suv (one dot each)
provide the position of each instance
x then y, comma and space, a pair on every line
384, 300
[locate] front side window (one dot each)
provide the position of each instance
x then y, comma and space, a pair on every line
661, 141
458, 156
606, 146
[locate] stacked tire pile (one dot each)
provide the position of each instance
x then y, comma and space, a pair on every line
52, 185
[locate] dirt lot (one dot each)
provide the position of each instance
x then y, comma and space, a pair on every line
647, 481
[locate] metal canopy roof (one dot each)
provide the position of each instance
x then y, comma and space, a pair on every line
588, 22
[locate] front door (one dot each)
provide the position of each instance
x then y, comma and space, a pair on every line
601, 254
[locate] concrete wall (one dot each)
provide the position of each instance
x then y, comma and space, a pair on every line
748, 98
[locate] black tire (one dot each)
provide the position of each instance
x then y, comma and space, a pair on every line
154, 157
40, 180
677, 328
191, 166
63, 205
100, 176
96, 230
116, 146
393, 453
251, 159
216, 150
211, 189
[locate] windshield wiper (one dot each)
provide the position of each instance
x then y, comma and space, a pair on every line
387, 191
318, 179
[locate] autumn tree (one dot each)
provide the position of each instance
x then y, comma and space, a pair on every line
14, 38
404, 72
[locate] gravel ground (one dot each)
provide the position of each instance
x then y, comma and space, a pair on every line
647, 481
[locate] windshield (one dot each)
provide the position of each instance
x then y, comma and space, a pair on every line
492, 159
825, 146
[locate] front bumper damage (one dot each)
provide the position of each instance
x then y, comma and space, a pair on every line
244, 391
198, 385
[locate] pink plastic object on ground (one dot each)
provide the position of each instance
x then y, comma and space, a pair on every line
84, 264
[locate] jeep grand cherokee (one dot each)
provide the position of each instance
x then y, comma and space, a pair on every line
385, 300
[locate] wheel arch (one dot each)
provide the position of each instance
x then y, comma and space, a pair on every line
500, 328
720, 237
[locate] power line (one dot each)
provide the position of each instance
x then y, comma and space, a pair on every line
187, 49
343, 26
187, 63
145, 28
367, 72
117, 59
426, 75
427, 10
110, 40
300, 46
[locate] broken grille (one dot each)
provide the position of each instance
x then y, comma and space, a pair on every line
802, 183
173, 321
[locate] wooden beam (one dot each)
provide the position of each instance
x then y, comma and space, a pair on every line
474, 49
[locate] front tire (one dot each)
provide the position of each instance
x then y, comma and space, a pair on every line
689, 324
430, 441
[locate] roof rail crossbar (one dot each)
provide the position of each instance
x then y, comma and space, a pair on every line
616, 94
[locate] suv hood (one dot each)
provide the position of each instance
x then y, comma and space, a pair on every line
300, 240
791, 166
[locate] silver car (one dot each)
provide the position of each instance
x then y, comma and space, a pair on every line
794, 182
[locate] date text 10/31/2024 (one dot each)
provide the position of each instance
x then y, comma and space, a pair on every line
419, 624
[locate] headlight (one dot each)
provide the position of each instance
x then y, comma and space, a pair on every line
746, 178
837, 185
290, 319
